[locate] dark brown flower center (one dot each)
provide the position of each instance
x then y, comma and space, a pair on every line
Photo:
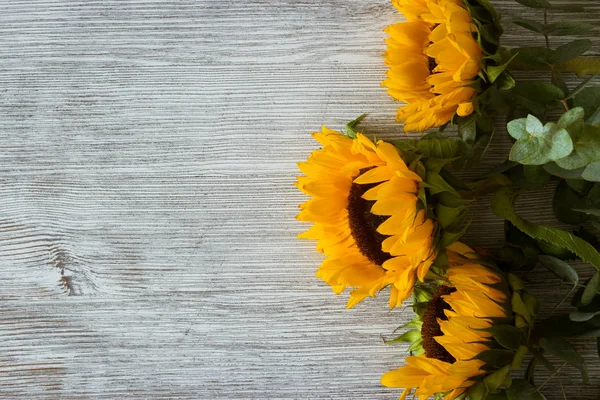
432, 64
363, 224
431, 327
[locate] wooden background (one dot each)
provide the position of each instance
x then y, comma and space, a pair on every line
147, 231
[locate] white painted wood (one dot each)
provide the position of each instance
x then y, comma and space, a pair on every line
147, 232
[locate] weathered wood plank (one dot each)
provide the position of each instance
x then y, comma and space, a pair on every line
147, 154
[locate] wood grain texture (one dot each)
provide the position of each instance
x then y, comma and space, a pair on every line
147, 231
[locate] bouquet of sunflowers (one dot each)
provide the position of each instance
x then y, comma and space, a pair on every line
389, 215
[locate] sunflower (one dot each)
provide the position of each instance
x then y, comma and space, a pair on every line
366, 217
455, 330
433, 60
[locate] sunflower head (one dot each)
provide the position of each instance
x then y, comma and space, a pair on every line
469, 333
367, 217
436, 59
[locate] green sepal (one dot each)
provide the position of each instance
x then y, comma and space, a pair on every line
451, 236
351, 126
448, 216
501, 378
519, 356
507, 336
497, 358
478, 391
494, 71
436, 184
410, 336
520, 308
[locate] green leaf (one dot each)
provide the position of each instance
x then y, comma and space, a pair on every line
565, 202
535, 176
467, 129
554, 169
523, 390
578, 316
507, 336
584, 373
433, 147
538, 56
517, 128
567, 28
503, 206
538, 144
591, 289
529, 177
568, 7
581, 86
561, 325
562, 349
495, 357
579, 185
572, 50
592, 172
539, 92
589, 211
586, 146
571, 118
538, 355
589, 99
529, 24
534, 126
535, 3
560, 268
593, 196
